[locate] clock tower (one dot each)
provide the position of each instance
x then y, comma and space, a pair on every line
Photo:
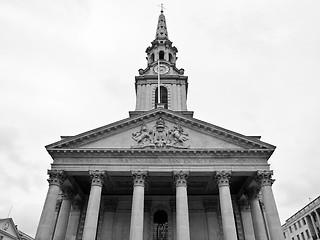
161, 64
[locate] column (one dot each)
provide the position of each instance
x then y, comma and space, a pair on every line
246, 219
311, 225
314, 225
273, 220
212, 219
63, 217
182, 213
109, 209
318, 220
46, 224
256, 213
91, 221
228, 223
74, 220
137, 212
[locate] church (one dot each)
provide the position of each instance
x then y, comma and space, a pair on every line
160, 174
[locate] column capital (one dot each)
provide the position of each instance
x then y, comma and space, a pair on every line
264, 178
244, 205
253, 193
68, 193
222, 178
139, 177
97, 177
180, 178
56, 177
76, 205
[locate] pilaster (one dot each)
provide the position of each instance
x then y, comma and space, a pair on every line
211, 208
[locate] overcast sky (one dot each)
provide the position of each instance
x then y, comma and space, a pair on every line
68, 66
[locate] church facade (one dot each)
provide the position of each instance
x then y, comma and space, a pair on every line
160, 174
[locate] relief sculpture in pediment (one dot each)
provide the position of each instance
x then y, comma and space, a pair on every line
160, 136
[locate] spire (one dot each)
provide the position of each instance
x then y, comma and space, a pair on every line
162, 32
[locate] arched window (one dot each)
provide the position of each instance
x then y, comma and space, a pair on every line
170, 58
161, 55
163, 96
160, 221
152, 58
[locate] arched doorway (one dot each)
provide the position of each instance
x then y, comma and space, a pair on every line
160, 225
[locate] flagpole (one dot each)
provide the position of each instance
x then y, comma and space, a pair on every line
158, 82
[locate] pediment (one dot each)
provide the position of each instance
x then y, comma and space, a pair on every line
7, 227
161, 129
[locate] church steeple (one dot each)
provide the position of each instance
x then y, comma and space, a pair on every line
162, 32
161, 57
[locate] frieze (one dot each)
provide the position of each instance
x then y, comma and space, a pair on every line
160, 136
159, 161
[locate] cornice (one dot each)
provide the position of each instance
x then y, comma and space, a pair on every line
153, 152
163, 77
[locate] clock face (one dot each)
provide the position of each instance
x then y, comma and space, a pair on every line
163, 69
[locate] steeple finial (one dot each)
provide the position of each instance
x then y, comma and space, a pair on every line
162, 32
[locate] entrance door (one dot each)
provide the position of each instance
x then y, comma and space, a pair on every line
160, 225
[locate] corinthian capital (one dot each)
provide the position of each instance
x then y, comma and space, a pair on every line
139, 177
97, 177
264, 178
68, 193
180, 178
253, 193
56, 177
222, 178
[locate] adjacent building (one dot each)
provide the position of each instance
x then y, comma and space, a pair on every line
305, 224
9, 231
160, 174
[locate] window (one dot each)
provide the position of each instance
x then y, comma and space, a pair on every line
152, 58
299, 223
163, 96
303, 237
293, 238
304, 221
290, 229
170, 58
298, 237
161, 55
307, 232
295, 226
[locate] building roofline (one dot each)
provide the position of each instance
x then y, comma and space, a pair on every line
301, 212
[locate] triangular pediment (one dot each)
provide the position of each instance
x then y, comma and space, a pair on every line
8, 228
160, 129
